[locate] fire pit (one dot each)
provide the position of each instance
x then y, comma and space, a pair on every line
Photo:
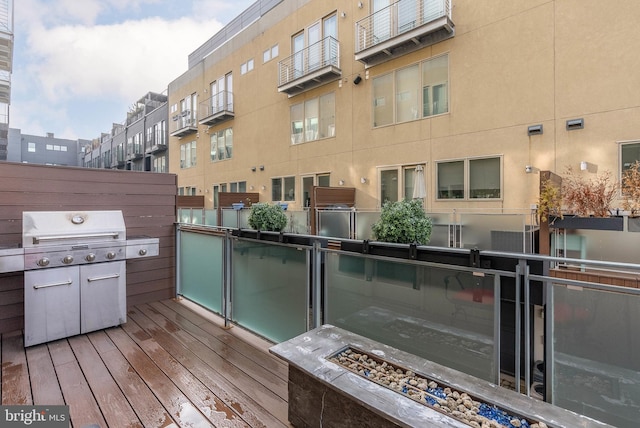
330, 384
459, 405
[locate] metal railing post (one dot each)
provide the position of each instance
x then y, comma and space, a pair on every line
518, 339
227, 280
316, 284
178, 256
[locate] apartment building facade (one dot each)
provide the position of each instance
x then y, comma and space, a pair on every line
473, 98
44, 149
138, 144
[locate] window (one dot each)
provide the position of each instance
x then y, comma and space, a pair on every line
629, 153
314, 119
221, 144
31, 147
321, 180
246, 67
283, 189
399, 183
270, 53
188, 111
160, 164
159, 131
188, 155
411, 93
312, 47
238, 187
470, 178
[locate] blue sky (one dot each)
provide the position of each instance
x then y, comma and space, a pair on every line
78, 65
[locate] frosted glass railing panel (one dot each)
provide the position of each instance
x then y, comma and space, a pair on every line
269, 290
243, 219
596, 358
190, 215
184, 215
364, 222
440, 236
211, 217
298, 222
335, 224
605, 245
441, 315
499, 232
201, 264
230, 218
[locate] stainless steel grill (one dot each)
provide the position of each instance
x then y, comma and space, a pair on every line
74, 271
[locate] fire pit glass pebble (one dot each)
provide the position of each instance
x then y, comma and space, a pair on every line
456, 404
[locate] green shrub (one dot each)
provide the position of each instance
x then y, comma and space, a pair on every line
404, 222
267, 217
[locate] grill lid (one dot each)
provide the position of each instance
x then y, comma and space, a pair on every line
45, 228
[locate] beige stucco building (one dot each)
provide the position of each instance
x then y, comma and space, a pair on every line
482, 94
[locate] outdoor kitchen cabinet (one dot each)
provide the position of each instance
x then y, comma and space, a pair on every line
73, 300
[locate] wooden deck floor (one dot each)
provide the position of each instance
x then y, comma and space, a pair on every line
170, 365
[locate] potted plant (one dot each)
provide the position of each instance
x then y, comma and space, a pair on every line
589, 200
630, 189
549, 201
267, 217
403, 222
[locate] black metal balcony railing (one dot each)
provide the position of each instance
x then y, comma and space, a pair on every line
311, 67
218, 108
184, 123
402, 27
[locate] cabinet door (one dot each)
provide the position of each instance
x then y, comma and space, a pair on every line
103, 296
51, 304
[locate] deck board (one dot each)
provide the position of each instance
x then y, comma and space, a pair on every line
15, 375
168, 366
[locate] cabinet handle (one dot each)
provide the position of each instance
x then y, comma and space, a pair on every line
101, 278
55, 284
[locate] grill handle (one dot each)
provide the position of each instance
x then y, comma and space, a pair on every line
39, 239
102, 278
54, 284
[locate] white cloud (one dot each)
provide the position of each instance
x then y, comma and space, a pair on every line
126, 59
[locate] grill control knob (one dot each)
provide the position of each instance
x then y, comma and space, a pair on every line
43, 262
90, 257
111, 255
67, 260
142, 252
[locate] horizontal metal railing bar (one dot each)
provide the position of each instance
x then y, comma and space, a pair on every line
588, 284
469, 269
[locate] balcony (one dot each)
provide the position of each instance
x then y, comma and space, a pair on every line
153, 147
401, 28
184, 124
313, 66
175, 362
217, 109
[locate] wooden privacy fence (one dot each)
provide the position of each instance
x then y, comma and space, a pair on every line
147, 201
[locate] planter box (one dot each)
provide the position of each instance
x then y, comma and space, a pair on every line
594, 223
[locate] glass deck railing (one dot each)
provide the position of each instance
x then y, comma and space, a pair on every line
438, 304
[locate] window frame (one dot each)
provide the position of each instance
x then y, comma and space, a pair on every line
313, 127
382, 95
466, 179
401, 180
